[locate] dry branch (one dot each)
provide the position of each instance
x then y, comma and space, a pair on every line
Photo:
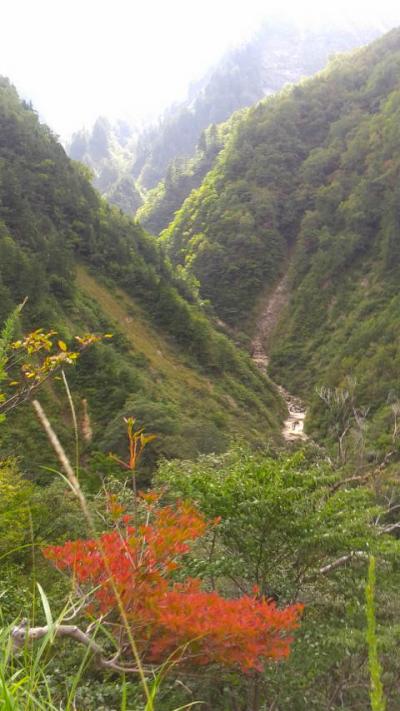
23, 633
363, 477
326, 569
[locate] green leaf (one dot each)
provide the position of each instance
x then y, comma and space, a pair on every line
46, 607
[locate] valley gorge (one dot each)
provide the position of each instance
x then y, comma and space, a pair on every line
221, 376
272, 310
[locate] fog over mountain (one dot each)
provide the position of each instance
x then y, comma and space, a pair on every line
128, 160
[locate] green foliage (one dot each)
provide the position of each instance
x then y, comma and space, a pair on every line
284, 522
277, 510
312, 173
375, 670
6, 336
41, 678
103, 152
15, 497
344, 318
286, 158
183, 175
290, 526
232, 233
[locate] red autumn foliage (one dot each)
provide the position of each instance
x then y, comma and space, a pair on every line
165, 615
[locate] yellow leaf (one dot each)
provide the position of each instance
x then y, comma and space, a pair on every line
62, 346
145, 439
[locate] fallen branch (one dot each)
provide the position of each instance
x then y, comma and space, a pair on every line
23, 633
342, 561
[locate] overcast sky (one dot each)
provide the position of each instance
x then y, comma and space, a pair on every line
76, 59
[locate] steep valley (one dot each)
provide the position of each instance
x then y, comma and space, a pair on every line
86, 267
314, 172
150, 172
206, 512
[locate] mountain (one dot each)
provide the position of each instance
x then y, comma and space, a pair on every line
171, 156
105, 150
308, 187
85, 266
293, 239
281, 52
183, 176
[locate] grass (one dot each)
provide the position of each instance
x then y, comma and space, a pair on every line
192, 392
122, 309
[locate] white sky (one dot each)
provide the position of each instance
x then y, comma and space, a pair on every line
76, 59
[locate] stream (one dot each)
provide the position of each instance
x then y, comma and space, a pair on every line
293, 426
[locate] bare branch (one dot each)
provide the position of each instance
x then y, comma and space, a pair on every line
326, 569
351, 480
390, 528
29, 388
24, 394
390, 510
22, 633
363, 477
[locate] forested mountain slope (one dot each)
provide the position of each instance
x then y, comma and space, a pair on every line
166, 364
311, 178
107, 150
183, 175
172, 156
280, 52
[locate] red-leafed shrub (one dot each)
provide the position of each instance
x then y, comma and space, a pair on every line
135, 565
